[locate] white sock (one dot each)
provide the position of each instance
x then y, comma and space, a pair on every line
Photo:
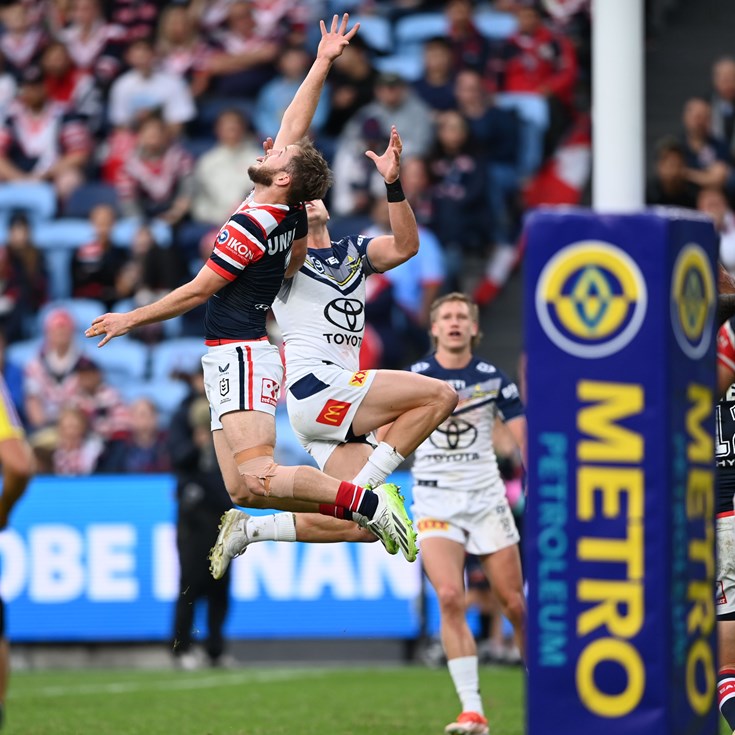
466, 680
380, 464
276, 527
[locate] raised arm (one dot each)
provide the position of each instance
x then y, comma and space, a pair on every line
298, 115
388, 251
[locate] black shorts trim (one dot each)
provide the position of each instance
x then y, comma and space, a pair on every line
726, 616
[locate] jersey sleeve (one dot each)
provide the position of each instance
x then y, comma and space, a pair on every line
302, 225
508, 401
726, 345
240, 242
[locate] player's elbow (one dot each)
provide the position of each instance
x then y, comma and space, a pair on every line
409, 246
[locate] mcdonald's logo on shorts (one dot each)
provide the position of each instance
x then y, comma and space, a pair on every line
333, 413
358, 379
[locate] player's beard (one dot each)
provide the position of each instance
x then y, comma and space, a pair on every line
260, 175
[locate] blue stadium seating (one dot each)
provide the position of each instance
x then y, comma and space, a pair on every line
120, 359
21, 353
124, 231
166, 394
375, 31
36, 199
82, 310
494, 25
165, 357
86, 197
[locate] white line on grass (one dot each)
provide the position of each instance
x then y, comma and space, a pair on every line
177, 684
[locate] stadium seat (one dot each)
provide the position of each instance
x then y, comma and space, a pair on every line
58, 266
124, 231
62, 233
415, 30
171, 327
36, 199
199, 145
533, 110
120, 359
82, 310
21, 353
166, 356
167, 394
408, 65
189, 234
86, 197
375, 31
494, 25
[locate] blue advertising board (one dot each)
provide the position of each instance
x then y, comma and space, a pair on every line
619, 333
94, 559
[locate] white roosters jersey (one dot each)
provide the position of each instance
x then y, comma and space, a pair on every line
459, 455
321, 310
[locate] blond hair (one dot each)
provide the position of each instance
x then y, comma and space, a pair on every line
464, 299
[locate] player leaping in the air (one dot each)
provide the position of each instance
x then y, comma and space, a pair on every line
242, 370
332, 404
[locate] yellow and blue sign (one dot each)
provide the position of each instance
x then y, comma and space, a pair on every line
619, 526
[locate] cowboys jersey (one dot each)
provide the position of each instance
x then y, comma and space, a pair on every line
321, 311
459, 455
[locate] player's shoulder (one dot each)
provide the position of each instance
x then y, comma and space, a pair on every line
483, 367
425, 366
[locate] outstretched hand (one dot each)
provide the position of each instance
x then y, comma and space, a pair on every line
389, 164
334, 41
109, 325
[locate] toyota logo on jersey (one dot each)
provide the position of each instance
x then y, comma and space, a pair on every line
454, 434
346, 314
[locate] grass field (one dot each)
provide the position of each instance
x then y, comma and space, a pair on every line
254, 701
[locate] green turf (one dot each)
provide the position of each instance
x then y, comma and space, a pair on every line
254, 701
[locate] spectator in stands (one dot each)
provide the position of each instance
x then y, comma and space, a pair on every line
28, 263
12, 374
220, 178
395, 104
96, 266
496, 132
708, 161
470, 47
39, 142
461, 219
723, 101
101, 403
211, 15
144, 449
157, 179
51, 379
181, 49
137, 18
356, 181
21, 42
144, 89
202, 499
436, 85
351, 84
72, 89
95, 46
712, 201
293, 64
243, 61
77, 450
417, 188
537, 60
8, 87
11, 298
670, 184
415, 284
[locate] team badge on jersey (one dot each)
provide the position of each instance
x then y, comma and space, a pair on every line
358, 379
333, 413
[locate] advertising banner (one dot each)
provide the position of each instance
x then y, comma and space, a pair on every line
620, 559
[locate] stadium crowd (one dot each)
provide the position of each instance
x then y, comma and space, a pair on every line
128, 126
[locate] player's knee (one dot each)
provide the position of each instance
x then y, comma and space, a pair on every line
445, 398
514, 608
451, 599
253, 486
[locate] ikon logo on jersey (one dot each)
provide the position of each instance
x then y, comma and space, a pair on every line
358, 379
333, 413
269, 392
230, 242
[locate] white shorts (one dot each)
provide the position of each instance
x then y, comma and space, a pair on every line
725, 580
322, 406
243, 376
480, 520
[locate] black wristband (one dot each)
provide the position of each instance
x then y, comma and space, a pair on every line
395, 191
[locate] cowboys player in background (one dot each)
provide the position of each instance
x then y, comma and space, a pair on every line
459, 497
